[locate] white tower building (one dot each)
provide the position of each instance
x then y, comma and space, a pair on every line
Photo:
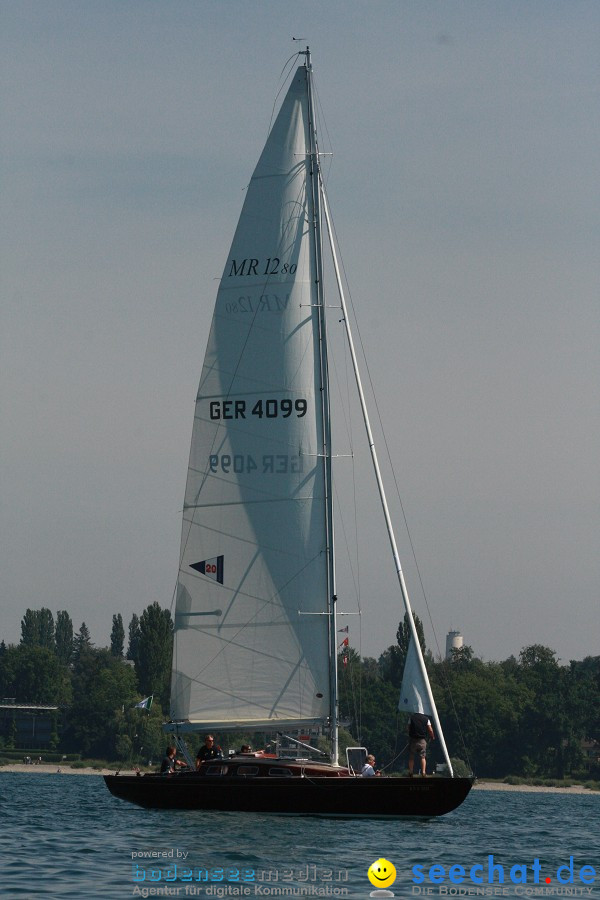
454, 641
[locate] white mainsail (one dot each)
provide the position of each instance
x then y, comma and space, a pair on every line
251, 618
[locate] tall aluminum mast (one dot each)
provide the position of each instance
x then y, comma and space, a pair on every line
315, 181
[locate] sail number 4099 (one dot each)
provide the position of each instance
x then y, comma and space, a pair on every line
269, 409
246, 464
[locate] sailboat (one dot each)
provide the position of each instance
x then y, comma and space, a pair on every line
255, 629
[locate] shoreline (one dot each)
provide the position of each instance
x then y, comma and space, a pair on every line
532, 788
46, 769
56, 769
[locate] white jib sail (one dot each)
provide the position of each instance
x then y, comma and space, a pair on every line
251, 646
413, 690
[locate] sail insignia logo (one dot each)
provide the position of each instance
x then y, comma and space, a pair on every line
212, 568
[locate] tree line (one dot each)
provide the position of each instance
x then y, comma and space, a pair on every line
525, 716
96, 689
529, 716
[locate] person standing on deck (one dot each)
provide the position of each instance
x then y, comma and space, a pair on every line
419, 729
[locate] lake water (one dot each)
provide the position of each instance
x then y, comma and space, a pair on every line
65, 836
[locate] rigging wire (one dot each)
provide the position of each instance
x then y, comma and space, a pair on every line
398, 755
346, 410
392, 469
320, 115
283, 78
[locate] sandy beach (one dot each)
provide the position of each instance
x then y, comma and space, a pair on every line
533, 788
479, 786
55, 769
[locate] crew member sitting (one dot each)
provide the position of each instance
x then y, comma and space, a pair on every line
368, 770
167, 766
210, 750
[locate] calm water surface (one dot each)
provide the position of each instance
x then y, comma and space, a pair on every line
65, 836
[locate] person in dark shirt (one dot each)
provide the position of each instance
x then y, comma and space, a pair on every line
419, 729
167, 766
210, 750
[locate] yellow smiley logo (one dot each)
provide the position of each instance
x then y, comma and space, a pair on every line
381, 873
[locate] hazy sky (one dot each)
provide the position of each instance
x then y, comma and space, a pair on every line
465, 190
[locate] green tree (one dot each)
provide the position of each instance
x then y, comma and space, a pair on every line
103, 687
134, 638
392, 660
37, 628
82, 642
33, 675
47, 638
462, 656
583, 681
64, 637
155, 649
30, 629
480, 707
368, 704
404, 634
148, 737
544, 732
139, 735
117, 636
